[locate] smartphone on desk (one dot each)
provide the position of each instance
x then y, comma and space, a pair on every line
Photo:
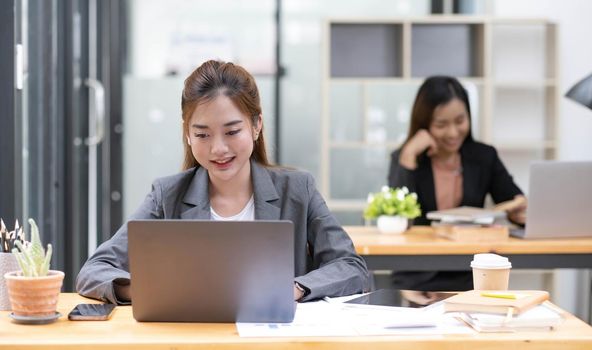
91, 312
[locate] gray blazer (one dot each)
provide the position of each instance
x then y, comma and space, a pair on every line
326, 263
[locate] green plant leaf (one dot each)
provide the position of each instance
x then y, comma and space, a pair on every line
31, 257
392, 201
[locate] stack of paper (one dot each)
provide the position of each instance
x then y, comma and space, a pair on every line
333, 318
472, 215
469, 224
542, 317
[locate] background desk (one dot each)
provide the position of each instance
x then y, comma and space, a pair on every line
420, 249
123, 332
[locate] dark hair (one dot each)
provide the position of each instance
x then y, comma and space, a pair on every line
215, 78
435, 91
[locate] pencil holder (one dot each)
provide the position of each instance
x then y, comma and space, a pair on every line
8, 263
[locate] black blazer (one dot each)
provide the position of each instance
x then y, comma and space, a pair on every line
482, 170
483, 173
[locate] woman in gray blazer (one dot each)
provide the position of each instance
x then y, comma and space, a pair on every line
227, 177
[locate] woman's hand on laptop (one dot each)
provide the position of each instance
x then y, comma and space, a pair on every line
122, 289
517, 213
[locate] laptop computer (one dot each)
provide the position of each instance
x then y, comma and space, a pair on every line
211, 271
559, 200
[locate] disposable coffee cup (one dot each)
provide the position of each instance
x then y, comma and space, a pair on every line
490, 272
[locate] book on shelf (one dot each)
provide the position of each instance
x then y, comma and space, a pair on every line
509, 303
539, 318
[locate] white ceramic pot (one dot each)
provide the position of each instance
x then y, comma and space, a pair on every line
392, 224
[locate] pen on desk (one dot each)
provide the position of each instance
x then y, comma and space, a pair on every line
499, 295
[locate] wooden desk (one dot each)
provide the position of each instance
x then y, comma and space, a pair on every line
420, 249
123, 332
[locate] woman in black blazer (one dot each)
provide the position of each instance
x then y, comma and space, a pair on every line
447, 168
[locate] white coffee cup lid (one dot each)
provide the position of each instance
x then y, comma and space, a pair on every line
490, 261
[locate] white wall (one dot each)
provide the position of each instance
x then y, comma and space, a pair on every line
181, 34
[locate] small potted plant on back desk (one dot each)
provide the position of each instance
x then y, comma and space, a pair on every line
34, 290
393, 207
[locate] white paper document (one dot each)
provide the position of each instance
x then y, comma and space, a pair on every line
541, 317
330, 319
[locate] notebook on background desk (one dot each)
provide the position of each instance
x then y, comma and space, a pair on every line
559, 201
211, 271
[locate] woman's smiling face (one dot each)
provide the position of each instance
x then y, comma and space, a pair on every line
450, 125
222, 138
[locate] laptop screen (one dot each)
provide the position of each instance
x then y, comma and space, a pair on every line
559, 200
212, 271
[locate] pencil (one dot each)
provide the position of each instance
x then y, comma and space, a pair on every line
499, 295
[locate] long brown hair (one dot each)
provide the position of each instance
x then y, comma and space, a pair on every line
435, 91
214, 78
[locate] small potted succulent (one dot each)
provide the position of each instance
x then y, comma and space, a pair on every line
34, 290
7, 259
393, 207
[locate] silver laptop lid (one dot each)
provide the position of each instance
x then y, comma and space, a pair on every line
559, 200
212, 271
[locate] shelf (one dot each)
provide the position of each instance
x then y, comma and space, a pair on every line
514, 160
368, 80
359, 145
520, 114
519, 51
397, 80
446, 48
347, 204
500, 145
346, 108
519, 21
377, 45
447, 19
524, 84
535, 145
351, 168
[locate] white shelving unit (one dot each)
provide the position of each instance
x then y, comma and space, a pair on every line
373, 67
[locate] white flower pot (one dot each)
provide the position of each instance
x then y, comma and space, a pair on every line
392, 224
